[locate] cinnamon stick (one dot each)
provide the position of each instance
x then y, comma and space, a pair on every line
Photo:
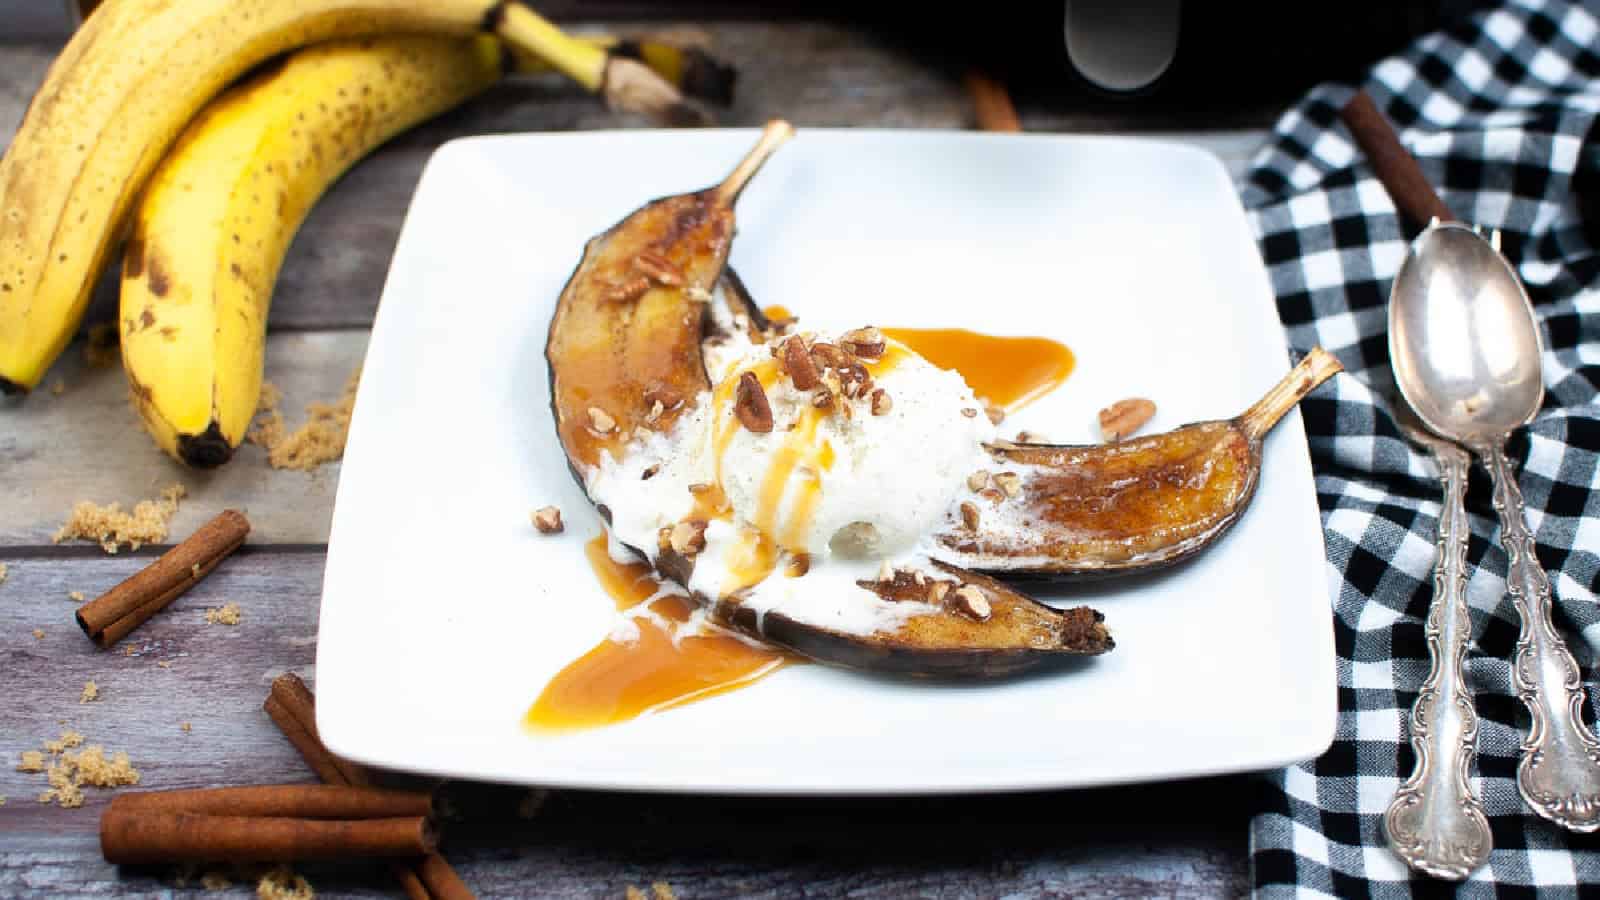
110, 617
991, 103
304, 801
1395, 167
292, 707
142, 836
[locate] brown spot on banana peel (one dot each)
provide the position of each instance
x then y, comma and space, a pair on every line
1140, 505
156, 273
133, 259
206, 450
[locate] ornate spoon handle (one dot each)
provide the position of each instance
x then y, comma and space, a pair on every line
1435, 823
1559, 773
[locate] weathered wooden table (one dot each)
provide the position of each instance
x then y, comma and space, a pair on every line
1177, 840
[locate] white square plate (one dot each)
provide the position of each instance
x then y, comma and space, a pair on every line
444, 613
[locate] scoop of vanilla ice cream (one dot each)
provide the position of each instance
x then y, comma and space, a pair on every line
859, 486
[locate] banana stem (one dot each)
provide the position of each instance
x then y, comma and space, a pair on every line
1318, 366
772, 137
581, 61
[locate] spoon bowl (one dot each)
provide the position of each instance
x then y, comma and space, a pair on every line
1463, 337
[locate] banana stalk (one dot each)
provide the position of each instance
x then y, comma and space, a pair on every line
134, 75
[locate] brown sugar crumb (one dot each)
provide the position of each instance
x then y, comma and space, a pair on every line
91, 692
2, 799
31, 761
320, 440
216, 881
185, 727
102, 350
38, 634
228, 614
2, 573
164, 663
633, 893
68, 740
663, 891
283, 884
73, 771
75, 596
110, 527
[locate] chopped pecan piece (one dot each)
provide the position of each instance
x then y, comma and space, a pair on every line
969, 601
881, 402
548, 520
969, 515
628, 291
601, 421
1010, 482
750, 404
688, 537
937, 590
822, 399
658, 268
996, 414
977, 481
866, 343
827, 356
797, 364
1124, 417
969, 412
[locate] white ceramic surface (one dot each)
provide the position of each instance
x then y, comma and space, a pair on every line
444, 613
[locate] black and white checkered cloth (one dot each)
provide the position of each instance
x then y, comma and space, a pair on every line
1499, 110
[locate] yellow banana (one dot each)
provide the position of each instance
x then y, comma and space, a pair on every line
135, 73
219, 213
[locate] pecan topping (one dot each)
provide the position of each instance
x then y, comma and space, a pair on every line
750, 404
881, 402
937, 590
798, 565
969, 516
548, 520
867, 343
601, 421
968, 601
650, 473
969, 412
1010, 482
627, 291
977, 481
828, 356
996, 414
1124, 417
688, 537
1030, 437
658, 268
797, 363
822, 399
656, 409
855, 381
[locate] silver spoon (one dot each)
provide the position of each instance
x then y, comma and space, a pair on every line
1435, 822
1467, 353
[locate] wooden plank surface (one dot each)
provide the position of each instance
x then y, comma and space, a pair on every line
86, 443
1178, 840
1183, 840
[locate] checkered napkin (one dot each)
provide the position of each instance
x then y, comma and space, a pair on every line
1498, 109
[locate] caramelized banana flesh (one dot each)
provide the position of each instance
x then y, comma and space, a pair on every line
1132, 506
1135, 505
622, 339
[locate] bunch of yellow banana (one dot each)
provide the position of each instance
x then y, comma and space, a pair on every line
212, 211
